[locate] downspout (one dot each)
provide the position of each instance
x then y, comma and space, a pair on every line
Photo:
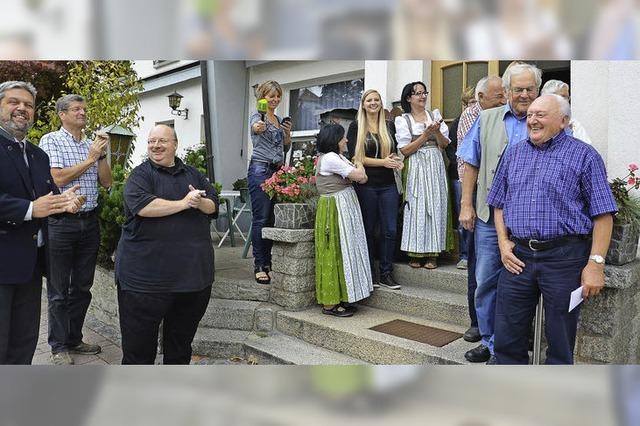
204, 78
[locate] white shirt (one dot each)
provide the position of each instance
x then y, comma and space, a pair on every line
335, 164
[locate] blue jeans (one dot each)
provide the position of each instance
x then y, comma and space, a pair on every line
555, 273
73, 250
379, 206
262, 212
464, 236
488, 267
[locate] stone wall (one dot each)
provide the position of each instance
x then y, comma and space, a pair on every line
104, 304
293, 264
609, 328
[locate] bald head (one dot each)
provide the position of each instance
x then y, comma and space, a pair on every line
162, 145
547, 116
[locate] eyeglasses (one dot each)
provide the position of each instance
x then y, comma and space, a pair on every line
520, 90
76, 109
419, 94
159, 141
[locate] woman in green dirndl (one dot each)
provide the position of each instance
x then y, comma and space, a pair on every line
343, 274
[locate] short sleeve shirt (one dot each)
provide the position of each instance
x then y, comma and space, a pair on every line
64, 151
165, 254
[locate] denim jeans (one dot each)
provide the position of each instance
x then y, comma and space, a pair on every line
488, 266
464, 237
140, 318
555, 273
262, 212
73, 250
379, 206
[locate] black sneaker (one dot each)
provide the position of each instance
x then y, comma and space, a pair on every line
388, 282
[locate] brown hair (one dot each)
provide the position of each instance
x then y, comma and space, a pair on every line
267, 87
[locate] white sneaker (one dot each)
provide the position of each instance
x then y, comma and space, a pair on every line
462, 264
61, 358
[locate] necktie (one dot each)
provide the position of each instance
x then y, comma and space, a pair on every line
24, 152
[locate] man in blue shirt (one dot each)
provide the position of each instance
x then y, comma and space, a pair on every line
553, 214
483, 146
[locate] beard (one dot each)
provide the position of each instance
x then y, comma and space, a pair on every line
17, 130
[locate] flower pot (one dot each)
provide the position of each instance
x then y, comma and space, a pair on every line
624, 244
293, 215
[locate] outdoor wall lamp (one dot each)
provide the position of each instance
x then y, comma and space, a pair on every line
174, 103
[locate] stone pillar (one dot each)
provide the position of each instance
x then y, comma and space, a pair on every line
609, 327
293, 263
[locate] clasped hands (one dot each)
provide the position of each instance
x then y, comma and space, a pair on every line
67, 202
194, 198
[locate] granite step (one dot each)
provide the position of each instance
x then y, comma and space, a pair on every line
282, 349
446, 277
219, 343
352, 337
239, 288
239, 315
424, 301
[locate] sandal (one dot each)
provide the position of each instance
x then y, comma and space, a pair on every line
337, 311
415, 264
430, 264
349, 307
261, 276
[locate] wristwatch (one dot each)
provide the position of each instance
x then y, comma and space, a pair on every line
102, 157
597, 259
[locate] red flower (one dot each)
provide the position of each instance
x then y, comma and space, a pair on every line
631, 181
633, 167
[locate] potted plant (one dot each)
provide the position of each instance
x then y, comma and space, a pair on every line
626, 224
293, 190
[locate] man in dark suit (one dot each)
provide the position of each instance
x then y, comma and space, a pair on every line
27, 194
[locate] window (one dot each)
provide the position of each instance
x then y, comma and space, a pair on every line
307, 104
161, 63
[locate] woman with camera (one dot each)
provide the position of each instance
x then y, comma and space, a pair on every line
271, 138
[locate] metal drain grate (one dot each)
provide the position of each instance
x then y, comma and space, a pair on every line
418, 332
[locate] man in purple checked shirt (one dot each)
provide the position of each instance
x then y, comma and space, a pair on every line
553, 214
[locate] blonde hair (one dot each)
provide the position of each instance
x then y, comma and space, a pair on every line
267, 87
363, 129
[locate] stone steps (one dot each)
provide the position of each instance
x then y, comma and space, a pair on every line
282, 349
240, 289
239, 315
445, 277
421, 300
275, 349
352, 337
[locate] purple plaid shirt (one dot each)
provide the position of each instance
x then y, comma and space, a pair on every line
553, 190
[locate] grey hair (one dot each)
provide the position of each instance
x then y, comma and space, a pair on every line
563, 104
518, 69
483, 85
8, 85
552, 87
63, 103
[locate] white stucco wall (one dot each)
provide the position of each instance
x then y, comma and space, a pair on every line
603, 100
154, 107
146, 68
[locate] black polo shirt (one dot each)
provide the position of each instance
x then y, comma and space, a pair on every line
165, 254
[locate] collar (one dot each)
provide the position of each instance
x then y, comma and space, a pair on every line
68, 133
552, 142
509, 110
177, 168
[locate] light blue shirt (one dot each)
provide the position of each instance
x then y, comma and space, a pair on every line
470, 151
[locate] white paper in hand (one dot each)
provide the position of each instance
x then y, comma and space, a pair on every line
576, 298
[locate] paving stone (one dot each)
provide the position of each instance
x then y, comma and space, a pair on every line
293, 301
